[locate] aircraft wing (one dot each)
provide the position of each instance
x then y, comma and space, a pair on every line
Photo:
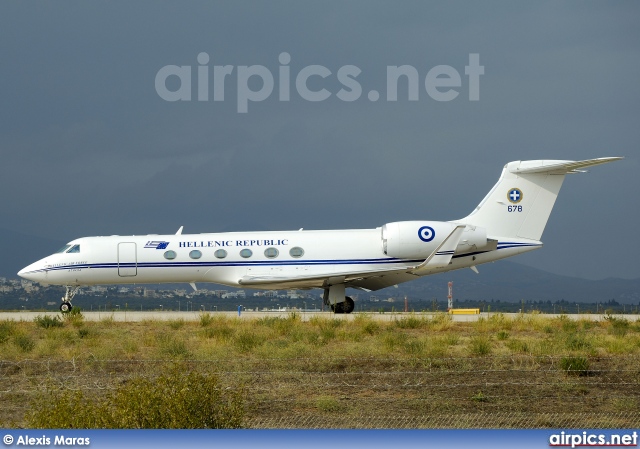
320, 279
370, 279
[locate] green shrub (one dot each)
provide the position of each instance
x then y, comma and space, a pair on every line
392, 339
176, 324
206, 319
328, 404
24, 342
410, 322
568, 325
503, 335
222, 333
6, 330
518, 346
577, 342
480, 346
414, 347
177, 400
324, 323
48, 322
480, 397
283, 326
618, 326
576, 366
175, 348
74, 316
246, 341
371, 328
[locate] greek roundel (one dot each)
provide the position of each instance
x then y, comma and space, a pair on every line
426, 233
515, 195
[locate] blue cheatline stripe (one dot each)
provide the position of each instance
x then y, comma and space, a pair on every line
235, 263
444, 253
501, 245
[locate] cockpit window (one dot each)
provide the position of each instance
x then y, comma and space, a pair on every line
63, 249
74, 249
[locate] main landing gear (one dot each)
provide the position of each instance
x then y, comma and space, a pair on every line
335, 298
66, 306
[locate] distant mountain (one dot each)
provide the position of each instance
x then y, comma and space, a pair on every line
501, 280
513, 282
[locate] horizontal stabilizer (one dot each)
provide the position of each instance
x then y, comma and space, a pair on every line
559, 167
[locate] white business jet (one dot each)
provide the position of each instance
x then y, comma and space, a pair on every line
508, 221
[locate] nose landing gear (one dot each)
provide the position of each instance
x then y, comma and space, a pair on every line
66, 306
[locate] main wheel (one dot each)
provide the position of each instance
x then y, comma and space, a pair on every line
343, 307
65, 307
348, 305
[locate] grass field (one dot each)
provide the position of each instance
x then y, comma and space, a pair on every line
413, 371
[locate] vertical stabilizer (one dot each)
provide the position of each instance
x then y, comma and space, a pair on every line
520, 203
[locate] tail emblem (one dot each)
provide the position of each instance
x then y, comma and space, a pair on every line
515, 195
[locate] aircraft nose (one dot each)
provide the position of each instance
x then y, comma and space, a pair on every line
33, 272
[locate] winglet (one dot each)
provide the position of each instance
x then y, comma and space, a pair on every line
443, 253
179, 231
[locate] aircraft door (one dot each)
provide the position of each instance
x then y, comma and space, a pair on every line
127, 259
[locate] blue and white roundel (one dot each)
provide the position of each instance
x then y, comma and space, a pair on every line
426, 233
515, 195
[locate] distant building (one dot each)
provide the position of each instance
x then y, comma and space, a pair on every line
293, 294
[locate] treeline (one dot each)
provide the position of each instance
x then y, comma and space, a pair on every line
50, 298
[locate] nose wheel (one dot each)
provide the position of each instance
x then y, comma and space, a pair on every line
66, 306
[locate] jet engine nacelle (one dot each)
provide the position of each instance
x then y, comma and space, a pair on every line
473, 238
418, 239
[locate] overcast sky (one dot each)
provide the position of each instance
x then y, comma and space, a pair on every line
89, 146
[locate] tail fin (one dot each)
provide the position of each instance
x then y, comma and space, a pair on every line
520, 203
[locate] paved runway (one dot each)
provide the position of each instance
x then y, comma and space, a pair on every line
130, 316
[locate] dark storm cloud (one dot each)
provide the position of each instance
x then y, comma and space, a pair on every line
89, 147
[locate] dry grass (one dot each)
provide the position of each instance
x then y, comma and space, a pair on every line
410, 367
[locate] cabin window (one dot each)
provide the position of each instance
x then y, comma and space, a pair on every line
63, 249
220, 254
74, 249
195, 254
170, 255
246, 253
271, 253
296, 252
